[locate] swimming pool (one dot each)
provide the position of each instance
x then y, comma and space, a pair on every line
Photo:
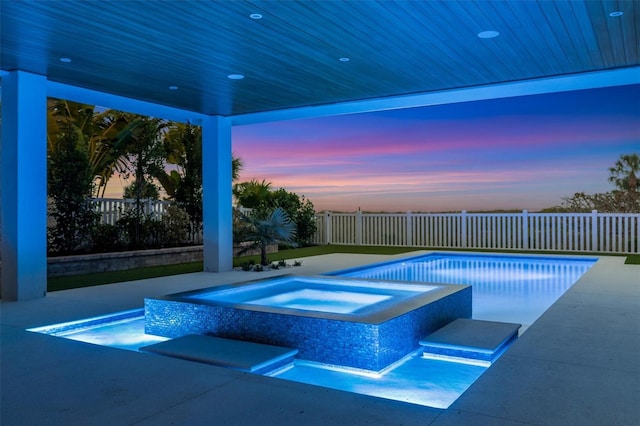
508, 288
413, 379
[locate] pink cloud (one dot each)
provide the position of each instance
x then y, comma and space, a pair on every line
399, 162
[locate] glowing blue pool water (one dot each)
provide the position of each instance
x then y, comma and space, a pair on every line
316, 294
339, 302
415, 380
515, 289
505, 288
122, 330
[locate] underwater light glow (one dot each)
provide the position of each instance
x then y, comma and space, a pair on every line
432, 383
123, 330
488, 34
340, 302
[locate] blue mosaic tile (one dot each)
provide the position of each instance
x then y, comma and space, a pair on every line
357, 342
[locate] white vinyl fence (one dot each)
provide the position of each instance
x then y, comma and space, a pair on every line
590, 232
112, 209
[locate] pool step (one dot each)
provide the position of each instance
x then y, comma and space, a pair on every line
470, 341
240, 355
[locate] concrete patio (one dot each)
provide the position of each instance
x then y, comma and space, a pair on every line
579, 364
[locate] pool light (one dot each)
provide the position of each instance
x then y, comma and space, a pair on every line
235, 76
65, 60
616, 13
255, 16
488, 34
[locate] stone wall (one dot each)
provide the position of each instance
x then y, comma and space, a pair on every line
63, 266
102, 262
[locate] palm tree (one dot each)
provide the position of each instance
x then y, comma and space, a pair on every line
145, 156
236, 166
253, 194
624, 174
183, 144
101, 135
276, 228
108, 150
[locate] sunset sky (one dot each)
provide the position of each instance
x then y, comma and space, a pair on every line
515, 153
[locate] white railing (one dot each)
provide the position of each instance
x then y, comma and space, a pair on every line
590, 232
112, 209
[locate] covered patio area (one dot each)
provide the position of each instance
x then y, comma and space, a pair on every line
221, 64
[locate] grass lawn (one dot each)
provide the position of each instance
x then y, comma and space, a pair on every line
87, 280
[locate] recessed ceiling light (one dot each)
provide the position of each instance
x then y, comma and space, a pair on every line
173, 87
617, 13
344, 59
235, 76
488, 34
255, 16
65, 60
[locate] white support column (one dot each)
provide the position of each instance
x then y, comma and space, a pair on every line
23, 178
216, 194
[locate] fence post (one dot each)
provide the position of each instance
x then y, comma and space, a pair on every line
358, 227
327, 227
463, 229
525, 229
409, 242
594, 230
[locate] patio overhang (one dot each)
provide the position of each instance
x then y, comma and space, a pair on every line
298, 60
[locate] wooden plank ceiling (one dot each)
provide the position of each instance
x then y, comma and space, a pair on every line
292, 56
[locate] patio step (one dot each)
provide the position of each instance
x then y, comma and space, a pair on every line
240, 355
470, 341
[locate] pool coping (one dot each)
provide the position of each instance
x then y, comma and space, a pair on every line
379, 314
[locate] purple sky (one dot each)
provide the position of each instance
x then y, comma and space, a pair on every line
516, 153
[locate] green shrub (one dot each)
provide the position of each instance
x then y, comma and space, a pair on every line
70, 182
106, 238
176, 226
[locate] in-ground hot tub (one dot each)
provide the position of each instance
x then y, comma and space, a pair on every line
358, 323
